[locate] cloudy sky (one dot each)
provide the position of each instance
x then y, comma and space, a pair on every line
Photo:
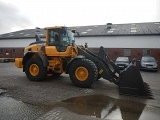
24, 14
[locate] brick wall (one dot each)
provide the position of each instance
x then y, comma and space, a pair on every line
11, 52
135, 53
112, 52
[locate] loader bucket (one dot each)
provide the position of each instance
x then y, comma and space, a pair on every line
131, 83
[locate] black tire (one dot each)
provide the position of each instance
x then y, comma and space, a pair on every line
83, 73
34, 69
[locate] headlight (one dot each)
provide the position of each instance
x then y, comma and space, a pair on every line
155, 65
143, 64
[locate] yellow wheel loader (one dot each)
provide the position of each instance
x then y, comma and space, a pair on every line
59, 54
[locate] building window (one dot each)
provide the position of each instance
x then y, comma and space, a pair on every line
13, 50
1, 50
127, 52
146, 52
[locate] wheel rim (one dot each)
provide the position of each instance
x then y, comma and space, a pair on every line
81, 73
34, 69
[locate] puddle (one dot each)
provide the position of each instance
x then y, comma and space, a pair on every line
99, 106
11, 109
96, 106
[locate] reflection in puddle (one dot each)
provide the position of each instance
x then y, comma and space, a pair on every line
105, 107
11, 109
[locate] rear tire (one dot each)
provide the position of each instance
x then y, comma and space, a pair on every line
34, 69
83, 72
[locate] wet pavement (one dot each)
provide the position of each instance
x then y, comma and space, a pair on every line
104, 107
12, 109
59, 99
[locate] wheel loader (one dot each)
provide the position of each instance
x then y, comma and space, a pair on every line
59, 54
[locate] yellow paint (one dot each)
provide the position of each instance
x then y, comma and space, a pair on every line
51, 51
33, 47
34, 69
18, 62
56, 65
81, 73
54, 27
100, 72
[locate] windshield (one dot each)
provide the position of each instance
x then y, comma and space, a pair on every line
68, 36
122, 59
60, 37
148, 59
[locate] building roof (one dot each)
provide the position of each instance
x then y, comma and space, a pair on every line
152, 28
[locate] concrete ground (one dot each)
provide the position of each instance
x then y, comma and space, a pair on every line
58, 99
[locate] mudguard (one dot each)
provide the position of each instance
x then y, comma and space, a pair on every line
28, 55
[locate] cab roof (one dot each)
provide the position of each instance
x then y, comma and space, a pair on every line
54, 27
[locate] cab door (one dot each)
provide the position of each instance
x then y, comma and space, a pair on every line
57, 39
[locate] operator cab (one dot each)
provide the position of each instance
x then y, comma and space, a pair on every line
60, 37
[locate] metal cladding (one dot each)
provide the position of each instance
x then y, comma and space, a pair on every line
131, 83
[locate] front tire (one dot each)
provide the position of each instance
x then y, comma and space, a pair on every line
34, 69
83, 72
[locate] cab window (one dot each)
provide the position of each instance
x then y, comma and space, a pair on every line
54, 38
